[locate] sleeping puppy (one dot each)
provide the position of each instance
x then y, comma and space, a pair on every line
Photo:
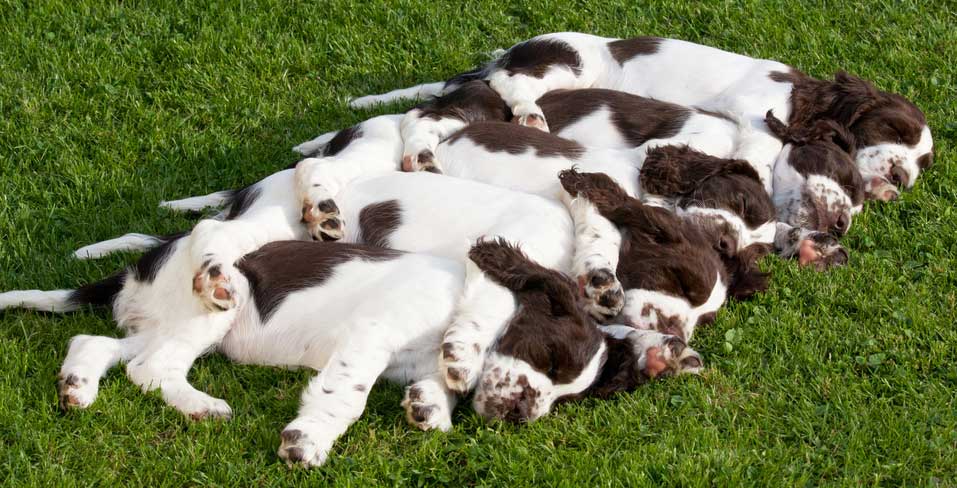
355, 314
526, 159
620, 121
893, 141
676, 271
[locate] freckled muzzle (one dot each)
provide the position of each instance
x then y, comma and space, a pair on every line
510, 395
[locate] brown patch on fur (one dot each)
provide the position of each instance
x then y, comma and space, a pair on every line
516, 139
549, 330
378, 221
625, 49
281, 268
638, 119
535, 57
473, 101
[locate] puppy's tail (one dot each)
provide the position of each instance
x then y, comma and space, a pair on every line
414, 93
217, 199
434, 89
126, 243
315, 146
99, 293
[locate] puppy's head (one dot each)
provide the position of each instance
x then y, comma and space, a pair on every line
893, 140
550, 348
817, 185
638, 356
673, 269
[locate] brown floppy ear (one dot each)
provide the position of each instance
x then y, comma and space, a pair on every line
598, 188
778, 128
830, 130
508, 266
853, 97
671, 171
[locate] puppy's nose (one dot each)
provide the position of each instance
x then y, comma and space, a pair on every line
841, 225
899, 176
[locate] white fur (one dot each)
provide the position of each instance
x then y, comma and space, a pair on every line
128, 242
215, 199
417, 92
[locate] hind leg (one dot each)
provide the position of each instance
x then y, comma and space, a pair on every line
88, 359
164, 362
480, 315
421, 134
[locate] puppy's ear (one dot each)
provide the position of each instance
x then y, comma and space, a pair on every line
672, 171
508, 266
830, 130
854, 96
598, 188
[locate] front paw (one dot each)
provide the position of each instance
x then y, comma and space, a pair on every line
300, 444
460, 365
822, 251
604, 295
200, 406
75, 391
214, 286
420, 160
323, 220
427, 408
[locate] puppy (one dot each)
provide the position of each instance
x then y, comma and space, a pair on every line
893, 141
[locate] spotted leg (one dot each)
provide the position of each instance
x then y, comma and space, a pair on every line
479, 319
88, 359
335, 397
597, 244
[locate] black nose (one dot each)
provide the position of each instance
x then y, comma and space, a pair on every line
899, 176
840, 226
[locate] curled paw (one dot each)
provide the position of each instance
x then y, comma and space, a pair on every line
214, 287
460, 366
75, 391
604, 294
299, 446
323, 220
425, 409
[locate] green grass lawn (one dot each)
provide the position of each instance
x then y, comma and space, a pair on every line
846, 377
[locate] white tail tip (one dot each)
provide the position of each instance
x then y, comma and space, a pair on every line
128, 242
217, 199
313, 146
45, 301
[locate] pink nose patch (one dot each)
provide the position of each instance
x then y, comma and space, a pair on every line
654, 363
807, 254
407, 163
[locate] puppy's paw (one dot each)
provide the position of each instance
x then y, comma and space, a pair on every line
301, 445
200, 406
604, 294
323, 220
427, 408
460, 365
215, 286
76, 390
663, 355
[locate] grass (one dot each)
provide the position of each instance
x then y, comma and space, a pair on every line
844, 378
